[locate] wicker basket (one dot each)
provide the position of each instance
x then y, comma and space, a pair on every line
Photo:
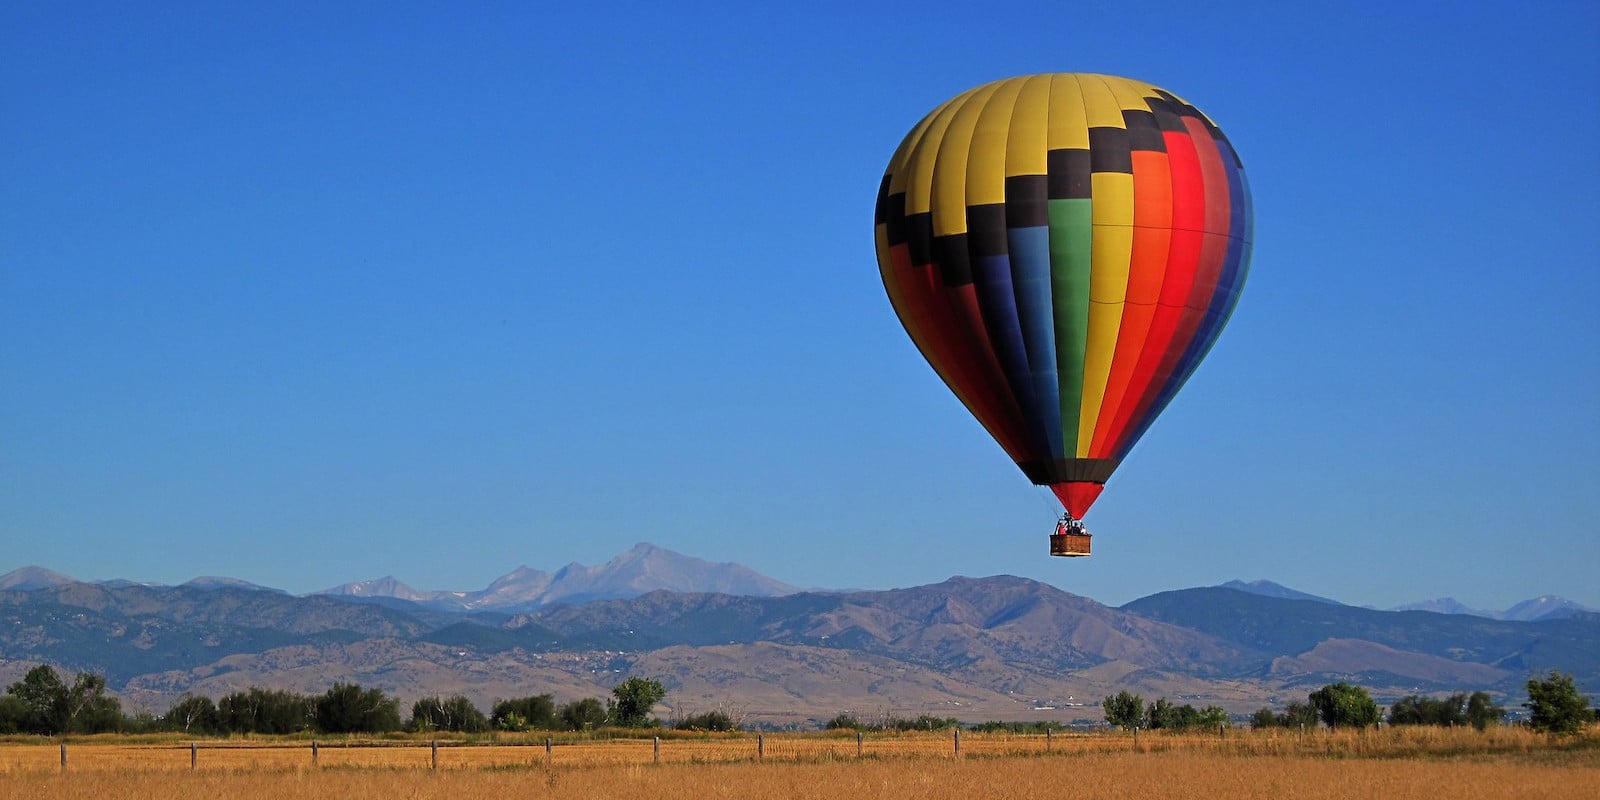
1069, 544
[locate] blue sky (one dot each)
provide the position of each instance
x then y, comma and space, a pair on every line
308, 293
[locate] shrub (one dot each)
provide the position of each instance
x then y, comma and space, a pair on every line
1481, 710
924, 722
709, 721
996, 726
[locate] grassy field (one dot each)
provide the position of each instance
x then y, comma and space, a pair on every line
1395, 763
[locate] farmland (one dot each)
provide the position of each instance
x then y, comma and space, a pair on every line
1242, 764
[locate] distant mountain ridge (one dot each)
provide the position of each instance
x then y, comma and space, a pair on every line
644, 568
390, 587
1538, 608
1427, 641
32, 578
1545, 607
1447, 605
215, 582
1278, 590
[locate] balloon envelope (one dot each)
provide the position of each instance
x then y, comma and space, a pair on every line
1064, 249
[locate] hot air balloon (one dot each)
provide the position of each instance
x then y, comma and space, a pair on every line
1064, 249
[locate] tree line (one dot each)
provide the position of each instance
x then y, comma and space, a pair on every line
43, 703
1128, 711
923, 722
1554, 706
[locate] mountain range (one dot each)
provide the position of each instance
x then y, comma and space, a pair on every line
644, 568
647, 568
721, 636
1546, 607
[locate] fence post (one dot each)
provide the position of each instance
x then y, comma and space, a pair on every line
657, 749
1047, 742
858, 742
958, 742
761, 747
548, 756
1136, 737
63, 756
194, 756
434, 743
314, 752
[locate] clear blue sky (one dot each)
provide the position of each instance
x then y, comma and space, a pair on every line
317, 292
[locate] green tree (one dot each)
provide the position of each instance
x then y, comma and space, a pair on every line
44, 700
89, 708
1482, 712
1342, 705
1263, 718
192, 714
50, 706
1555, 706
525, 713
1418, 710
1163, 715
1212, 716
1123, 709
634, 699
258, 710
348, 708
13, 714
1293, 716
585, 714
1297, 714
451, 714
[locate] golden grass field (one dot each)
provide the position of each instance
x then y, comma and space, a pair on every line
1392, 763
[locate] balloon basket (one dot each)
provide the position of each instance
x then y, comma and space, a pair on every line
1069, 544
